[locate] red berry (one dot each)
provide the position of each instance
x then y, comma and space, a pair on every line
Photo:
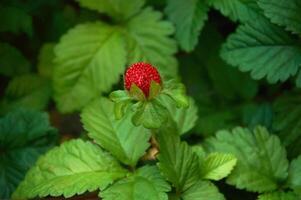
141, 74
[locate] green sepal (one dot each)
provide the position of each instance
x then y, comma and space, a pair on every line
136, 93
155, 89
122, 101
177, 92
150, 114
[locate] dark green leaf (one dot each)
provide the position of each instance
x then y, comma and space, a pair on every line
24, 136
12, 62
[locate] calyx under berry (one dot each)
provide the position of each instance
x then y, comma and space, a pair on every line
143, 75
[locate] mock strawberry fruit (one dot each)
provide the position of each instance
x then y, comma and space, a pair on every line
141, 74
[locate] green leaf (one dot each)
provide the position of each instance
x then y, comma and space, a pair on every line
145, 44
12, 62
150, 114
189, 18
118, 9
29, 91
73, 168
237, 10
15, 20
24, 136
89, 59
45, 60
287, 122
279, 195
177, 161
258, 114
261, 159
136, 93
284, 13
263, 49
146, 183
294, 175
202, 190
228, 82
125, 141
122, 101
184, 118
177, 92
217, 166
154, 90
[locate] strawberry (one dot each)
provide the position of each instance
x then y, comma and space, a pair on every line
141, 74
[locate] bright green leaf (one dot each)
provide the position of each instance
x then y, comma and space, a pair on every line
294, 175
15, 20
45, 58
29, 90
202, 190
147, 37
261, 159
263, 49
177, 92
24, 136
177, 161
89, 59
73, 168
118, 9
284, 13
217, 166
184, 118
189, 18
146, 183
150, 114
120, 137
237, 10
12, 62
121, 99
278, 196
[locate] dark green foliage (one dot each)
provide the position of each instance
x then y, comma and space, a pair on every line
229, 106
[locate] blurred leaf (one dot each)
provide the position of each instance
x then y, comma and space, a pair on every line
29, 91
284, 13
258, 114
237, 10
118, 9
12, 62
177, 161
273, 53
217, 166
226, 80
146, 183
121, 138
294, 175
73, 168
262, 164
45, 60
15, 20
189, 18
89, 60
24, 135
202, 190
287, 122
147, 40
279, 195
